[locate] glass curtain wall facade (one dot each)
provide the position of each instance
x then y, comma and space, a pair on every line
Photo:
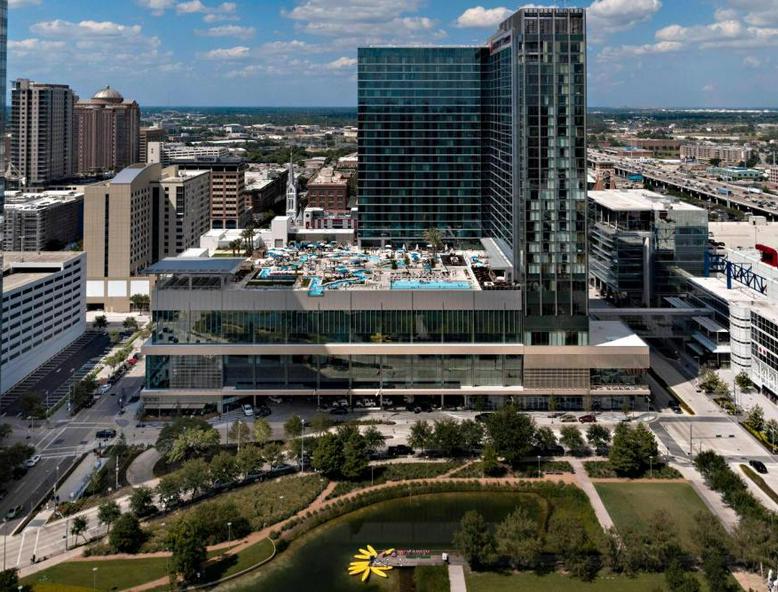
3, 74
419, 144
426, 116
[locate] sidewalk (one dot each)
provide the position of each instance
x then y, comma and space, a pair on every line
142, 468
585, 483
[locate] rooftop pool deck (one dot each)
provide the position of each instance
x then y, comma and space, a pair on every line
429, 285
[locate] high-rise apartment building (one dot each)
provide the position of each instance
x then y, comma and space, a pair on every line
3, 154
487, 143
42, 122
184, 213
143, 213
108, 132
148, 135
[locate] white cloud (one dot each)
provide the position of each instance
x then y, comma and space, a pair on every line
22, 3
27, 47
342, 64
709, 88
616, 53
157, 7
190, 7
757, 12
62, 28
227, 53
228, 31
610, 16
752, 62
479, 16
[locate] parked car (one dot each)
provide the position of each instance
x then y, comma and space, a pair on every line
483, 417
32, 461
567, 418
14, 512
104, 388
106, 434
276, 400
758, 466
263, 411
248, 410
674, 407
340, 403
399, 450
588, 418
339, 411
556, 414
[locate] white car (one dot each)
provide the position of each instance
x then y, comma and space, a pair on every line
104, 388
32, 461
276, 400
248, 411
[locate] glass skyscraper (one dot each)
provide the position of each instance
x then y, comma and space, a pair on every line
419, 143
487, 142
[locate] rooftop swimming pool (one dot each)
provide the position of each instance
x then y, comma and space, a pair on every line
429, 285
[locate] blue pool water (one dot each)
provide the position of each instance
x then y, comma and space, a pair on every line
429, 285
315, 287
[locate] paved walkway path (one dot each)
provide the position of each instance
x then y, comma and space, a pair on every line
456, 578
582, 477
142, 468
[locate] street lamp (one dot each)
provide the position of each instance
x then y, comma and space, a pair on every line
5, 536
94, 579
538, 466
229, 532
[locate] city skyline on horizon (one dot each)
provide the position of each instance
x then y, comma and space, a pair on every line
302, 53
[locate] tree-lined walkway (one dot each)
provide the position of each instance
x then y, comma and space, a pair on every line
585, 483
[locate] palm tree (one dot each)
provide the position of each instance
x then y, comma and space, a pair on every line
100, 322
235, 246
435, 238
248, 236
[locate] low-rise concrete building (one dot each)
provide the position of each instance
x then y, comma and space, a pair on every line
46, 221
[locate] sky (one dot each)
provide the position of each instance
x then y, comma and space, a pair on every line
642, 53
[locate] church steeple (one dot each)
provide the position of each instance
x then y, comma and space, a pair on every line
291, 192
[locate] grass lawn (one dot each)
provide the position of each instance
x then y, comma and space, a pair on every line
76, 576
631, 504
395, 472
431, 578
233, 564
531, 582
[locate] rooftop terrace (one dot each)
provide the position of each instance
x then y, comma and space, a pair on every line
319, 267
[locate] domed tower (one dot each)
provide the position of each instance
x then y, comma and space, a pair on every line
108, 128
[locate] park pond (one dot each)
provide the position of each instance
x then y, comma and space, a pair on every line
319, 560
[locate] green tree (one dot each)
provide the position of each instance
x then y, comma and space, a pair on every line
127, 536
262, 431
743, 382
140, 302
169, 490
239, 433
446, 436
186, 541
544, 440
193, 442
273, 453
194, 475
572, 440
708, 381
100, 322
489, 462
374, 439
32, 405
755, 419
518, 540
599, 438
471, 435
512, 433
293, 427
131, 324
9, 581
633, 450
320, 423
170, 432
475, 540
573, 547
78, 527
420, 436
354, 457
434, 238
141, 501
771, 431
328, 455
223, 468
248, 460
108, 512
679, 579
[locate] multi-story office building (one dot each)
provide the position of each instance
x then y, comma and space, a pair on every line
43, 147
230, 202
772, 175
147, 136
486, 144
108, 132
725, 153
47, 221
168, 153
643, 245
184, 210
657, 147
4, 149
143, 213
43, 304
